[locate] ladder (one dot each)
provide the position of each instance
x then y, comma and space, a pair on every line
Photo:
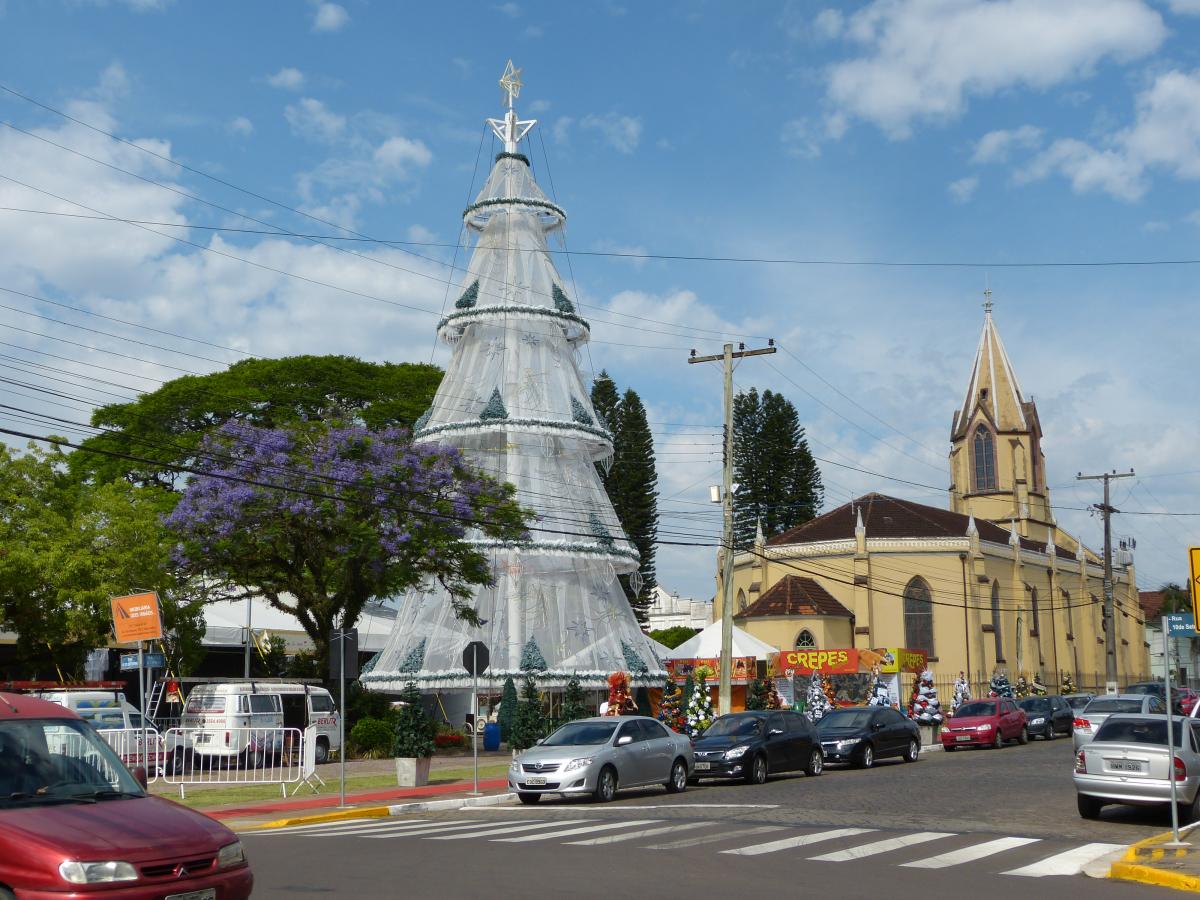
156, 695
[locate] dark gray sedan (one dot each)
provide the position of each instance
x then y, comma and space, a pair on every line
1047, 717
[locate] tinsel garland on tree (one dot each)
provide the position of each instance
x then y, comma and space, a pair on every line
632, 660
700, 707
1068, 683
495, 407
670, 708
561, 302
1037, 688
926, 707
469, 296
962, 692
532, 659
1000, 686
1021, 690
414, 658
816, 704
423, 420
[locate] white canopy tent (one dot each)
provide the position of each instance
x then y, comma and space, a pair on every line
707, 645
225, 625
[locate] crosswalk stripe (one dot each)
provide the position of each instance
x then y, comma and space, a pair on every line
800, 841
969, 854
905, 840
573, 831
645, 832
403, 831
505, 830
296, 829
377, 825
1070, 862
712, 838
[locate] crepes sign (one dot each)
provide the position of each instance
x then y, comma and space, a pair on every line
849, 660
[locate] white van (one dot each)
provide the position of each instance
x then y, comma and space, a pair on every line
117, 720
217, 719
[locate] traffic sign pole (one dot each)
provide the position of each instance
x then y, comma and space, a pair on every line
475, 660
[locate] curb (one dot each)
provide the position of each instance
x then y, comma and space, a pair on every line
382, 812
1137, 864
932, 748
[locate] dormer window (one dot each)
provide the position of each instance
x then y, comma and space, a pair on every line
983, 455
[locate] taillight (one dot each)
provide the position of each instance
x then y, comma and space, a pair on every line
1081, 763
1180, 770
1084, 724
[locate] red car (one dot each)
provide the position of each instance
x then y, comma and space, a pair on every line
74, 822
985, 723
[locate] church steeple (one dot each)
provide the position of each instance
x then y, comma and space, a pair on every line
996, 464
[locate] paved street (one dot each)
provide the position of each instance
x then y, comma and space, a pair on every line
1004, 821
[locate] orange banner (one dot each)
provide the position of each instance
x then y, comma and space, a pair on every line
136, 618
743, 668
890, 660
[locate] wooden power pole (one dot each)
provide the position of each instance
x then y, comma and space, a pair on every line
1110, 642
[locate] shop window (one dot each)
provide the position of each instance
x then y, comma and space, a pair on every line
806, 641
984, 457
997, 630
918, 616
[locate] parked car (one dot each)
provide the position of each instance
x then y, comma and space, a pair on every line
1157, 688
1047, 717
74, 821
1088, 722
1127, 762
755, 743
599, 755
1184, 700
1079, 701
860, 735
985, 723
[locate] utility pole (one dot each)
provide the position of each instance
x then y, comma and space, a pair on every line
1110, 644
727, 356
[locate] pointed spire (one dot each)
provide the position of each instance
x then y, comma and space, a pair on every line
759, 539
859, 527
993, 383
1014, 537
972, 528
1079, 554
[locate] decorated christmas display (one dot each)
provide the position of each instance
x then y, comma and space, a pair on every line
620, 699
759, 694
926, 708
574, 704
670, 708
514, 402
1021, 689
774, 700
508, 709
1000, 686
529, 724
962, 692
816, 704
1068, 683
700, 707
880, 695
1037, 688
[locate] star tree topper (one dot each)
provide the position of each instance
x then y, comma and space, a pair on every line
510, 129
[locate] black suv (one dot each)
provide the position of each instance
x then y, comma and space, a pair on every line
751, 744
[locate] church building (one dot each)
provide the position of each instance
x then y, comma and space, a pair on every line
991, 584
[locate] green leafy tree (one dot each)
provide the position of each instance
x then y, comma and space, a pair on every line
508, 709
529, 726
167, 425
272, 661
779, 483
414, 728
674, 636
1175, 598
574, 704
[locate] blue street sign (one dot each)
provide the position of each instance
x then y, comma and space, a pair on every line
1181, 625
129, 661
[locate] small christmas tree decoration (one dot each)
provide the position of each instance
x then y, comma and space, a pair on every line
670, 708
1037, 688
414, 728
620, 700
561, 302
1000, 686
1021, 691
700, 708
574, 705
632, 660
580, 414
926, 708
880, 695
962, 692
1068, 683
759, 695
508, 709
816, 704
602, 535
469, 296
529, 724
531, 657
495, 408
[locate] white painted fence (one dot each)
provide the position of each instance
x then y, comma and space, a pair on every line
138, 747
205, 756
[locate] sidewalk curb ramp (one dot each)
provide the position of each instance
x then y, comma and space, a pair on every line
398, 809
1147, 862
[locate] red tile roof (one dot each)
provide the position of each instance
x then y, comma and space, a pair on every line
1151, 603
794, 595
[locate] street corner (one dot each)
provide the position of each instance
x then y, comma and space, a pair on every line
339, 815
1156, 861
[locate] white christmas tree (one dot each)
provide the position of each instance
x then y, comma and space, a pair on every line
926, 707
1000, 686
962, 693
700, 707
514, 402
880, 695
816, 704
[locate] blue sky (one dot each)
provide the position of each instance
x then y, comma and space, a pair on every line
898, 130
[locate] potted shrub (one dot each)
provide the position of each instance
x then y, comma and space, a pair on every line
414, 740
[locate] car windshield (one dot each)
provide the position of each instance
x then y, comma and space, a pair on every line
1152, 688
978, 708
1035, 704
58, 761
735, 726
581, 734
1138, 731
1112, 705
844, 718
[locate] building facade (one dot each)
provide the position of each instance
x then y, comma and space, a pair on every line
669, 610
992, 584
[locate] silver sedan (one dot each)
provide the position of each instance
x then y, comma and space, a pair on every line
1088, 722
597, 756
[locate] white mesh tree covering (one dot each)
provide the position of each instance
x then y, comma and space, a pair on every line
514, 402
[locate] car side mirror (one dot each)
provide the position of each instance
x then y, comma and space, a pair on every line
139, 775
624, 739
774, 731
540, 741
875, 726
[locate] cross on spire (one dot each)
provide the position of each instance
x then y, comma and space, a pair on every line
510, 129
987, 301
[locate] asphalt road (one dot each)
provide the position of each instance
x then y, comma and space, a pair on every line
996, 822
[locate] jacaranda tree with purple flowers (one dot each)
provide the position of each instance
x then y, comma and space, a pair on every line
320, 520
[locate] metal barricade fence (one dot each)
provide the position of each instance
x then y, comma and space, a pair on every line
138, 748
229, 756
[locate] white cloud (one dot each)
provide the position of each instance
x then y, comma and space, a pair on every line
924, 59
798, 139
463, 65
241, 126
828, 24
330, 17
512, 10
314, 120
1184, 7
1193, 217
963, 189
622, 133
539, 106
561, 130
420, 234
287, 78
1155, 227
533, 32
399, 152
994, 146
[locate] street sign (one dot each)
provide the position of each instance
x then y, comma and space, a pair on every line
1181, 625
136, 618
1194, 560
129, 661
476, 658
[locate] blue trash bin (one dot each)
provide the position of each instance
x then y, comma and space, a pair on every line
491, 736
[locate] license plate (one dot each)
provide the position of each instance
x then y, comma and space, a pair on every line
1124, 765
703, 767
962, 737
535, 779
206, 894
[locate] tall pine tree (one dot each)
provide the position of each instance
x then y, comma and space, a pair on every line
779, 482
606, 401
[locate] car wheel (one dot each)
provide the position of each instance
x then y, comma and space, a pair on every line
606, 785
1190, 812
913, 751
322, 751
865, 758
998, 742
529, 799
1089, 807
949, 748
678, 781
1023, 737
1049, 733
816, 763
757, 772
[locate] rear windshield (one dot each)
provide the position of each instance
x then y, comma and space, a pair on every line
1111, 705
205, 703
1034, 704
978, 708
1138, 731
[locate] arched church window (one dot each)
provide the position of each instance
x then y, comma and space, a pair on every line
806, 641
997, 628
1066, 602
741, 601
984, 456
1033, 600
918, 616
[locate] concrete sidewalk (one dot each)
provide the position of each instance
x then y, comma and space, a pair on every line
1149, 862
